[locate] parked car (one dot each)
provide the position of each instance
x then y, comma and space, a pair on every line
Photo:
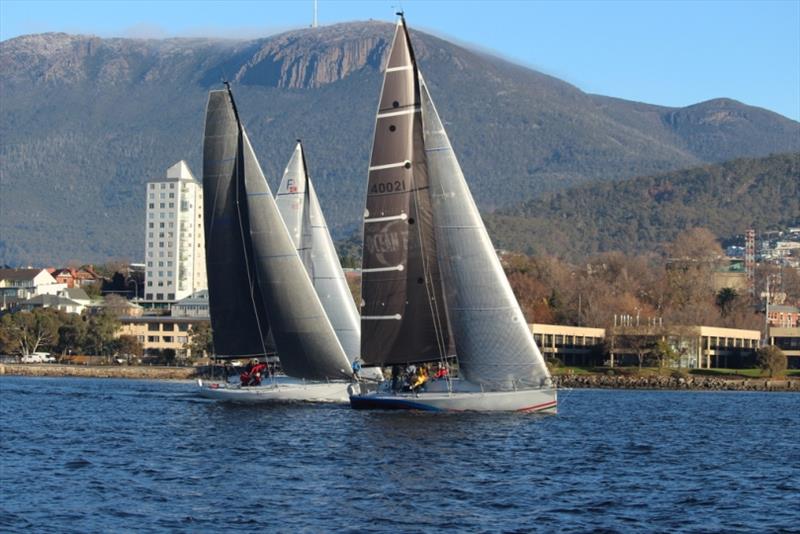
38, 357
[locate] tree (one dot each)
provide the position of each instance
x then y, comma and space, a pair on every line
127, 346
725, 300
100, 333
665, 353
71, 335
116, 305
27, 332
200, 340
772, 359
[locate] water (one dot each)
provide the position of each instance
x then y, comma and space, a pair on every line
85, 455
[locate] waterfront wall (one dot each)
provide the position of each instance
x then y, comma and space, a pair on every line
707, 383
99, 371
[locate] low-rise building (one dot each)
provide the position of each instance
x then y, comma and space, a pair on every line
159, 333
788, 340
195, 305
694, 346
571, 345
783, 316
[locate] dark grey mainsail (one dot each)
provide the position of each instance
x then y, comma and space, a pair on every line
238, 318
402, 315
307, 345
494, 345
299, 206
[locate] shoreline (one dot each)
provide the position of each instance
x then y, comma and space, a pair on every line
593, 381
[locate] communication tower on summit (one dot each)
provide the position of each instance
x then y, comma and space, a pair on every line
314, 21
750, 260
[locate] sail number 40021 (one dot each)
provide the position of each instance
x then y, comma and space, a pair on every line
388, 187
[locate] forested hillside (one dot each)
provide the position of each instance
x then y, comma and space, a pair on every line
640, 214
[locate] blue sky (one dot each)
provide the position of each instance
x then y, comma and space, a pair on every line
671, 53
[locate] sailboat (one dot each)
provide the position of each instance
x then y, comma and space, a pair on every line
433, 288
259, 288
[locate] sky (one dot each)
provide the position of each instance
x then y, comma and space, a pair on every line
673, 53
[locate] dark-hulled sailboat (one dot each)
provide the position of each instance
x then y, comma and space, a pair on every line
431, 280
256, 279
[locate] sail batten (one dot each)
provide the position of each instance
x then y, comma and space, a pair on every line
402, 316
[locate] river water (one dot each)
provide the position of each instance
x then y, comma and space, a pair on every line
105, 455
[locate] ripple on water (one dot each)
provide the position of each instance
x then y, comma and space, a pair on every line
137, 455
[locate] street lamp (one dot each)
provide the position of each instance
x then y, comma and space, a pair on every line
135, 286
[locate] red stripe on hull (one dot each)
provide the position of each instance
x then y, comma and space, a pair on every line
538, 407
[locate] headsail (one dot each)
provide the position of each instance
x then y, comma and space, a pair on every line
402, 315
494, 345
300, 209
238, 318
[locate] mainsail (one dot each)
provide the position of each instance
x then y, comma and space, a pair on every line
402, 314
238, 318
301, 211
494, 345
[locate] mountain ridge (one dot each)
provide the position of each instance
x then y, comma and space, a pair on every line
103, 116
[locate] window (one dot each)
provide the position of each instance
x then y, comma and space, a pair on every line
167, 339
160, 273
151, 186
163, 186
161, 264
172, 186
152, 339
171, 296
171, 204
183, 327
152, 327
151, 205
149, 263
161, 205
172, 195
169, 327
149, 296
183, 339
149, 225
150, 235
159, 296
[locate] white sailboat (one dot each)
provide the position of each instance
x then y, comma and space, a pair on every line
278, 299
433, 288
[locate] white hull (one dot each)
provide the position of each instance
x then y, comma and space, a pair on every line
462, 397
282, 390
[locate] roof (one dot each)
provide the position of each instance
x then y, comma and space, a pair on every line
783, 308
75, 293
19, 274
196, 298
162, 319
49, 300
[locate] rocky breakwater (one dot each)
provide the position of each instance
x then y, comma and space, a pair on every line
100, 371
705, 383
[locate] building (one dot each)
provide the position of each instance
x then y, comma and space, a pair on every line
783, 316
175, 245
160, 333
788, 340
74, 300
571, 345
195, 305
17, 285
72, 277
694, 346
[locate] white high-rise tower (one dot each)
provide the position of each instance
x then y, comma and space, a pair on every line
175, 245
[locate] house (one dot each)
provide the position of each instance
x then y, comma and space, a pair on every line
52, 301
195, 305
73, 277
17, 285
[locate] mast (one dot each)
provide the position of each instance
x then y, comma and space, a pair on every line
494, 345
402, 317
238, 317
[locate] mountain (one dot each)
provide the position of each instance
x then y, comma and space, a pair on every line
85, 122
641, 214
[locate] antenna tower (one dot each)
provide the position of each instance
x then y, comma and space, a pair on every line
314, 22
750, 261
